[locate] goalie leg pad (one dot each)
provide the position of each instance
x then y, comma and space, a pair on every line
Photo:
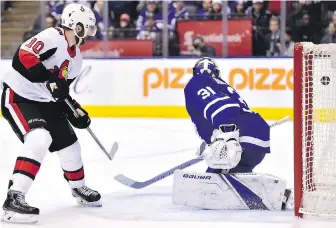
246, 191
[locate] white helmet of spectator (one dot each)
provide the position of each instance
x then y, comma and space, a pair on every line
76, 14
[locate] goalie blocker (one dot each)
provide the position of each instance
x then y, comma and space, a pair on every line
241, 191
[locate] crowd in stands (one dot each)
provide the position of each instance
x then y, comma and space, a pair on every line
306, 20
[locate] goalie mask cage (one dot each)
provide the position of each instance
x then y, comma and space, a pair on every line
315, 129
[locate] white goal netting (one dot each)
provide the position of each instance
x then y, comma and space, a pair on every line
318, 94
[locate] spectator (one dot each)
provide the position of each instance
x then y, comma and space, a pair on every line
37, 23
205, 12
179, 12
239, 10
258, 13
125, 29
302, 7
200, 48
56, 9
259, 26
150, 12
117, 8
273, 39
98, 12
217, 10
141, 6
149, 31
333, 20
331, 36
50, 21
305, 32
289, 43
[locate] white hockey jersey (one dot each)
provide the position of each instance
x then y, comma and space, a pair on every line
50, 48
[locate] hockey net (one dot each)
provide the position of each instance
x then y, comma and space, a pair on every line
315, 129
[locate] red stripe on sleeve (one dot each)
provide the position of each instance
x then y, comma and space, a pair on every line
28, 59
27, 167
18, 111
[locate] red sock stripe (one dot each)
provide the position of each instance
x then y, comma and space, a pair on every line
75, 175
18, 111
26, 165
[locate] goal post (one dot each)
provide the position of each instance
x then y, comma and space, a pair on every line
298, 52
315, 129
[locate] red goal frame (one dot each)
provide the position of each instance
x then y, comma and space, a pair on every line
297, 80
303, 81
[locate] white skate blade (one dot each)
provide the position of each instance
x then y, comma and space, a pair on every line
88, 204
14, 217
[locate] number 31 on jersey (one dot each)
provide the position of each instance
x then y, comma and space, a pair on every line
205, 92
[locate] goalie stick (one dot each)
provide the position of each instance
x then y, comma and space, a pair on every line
138, 184
115, 146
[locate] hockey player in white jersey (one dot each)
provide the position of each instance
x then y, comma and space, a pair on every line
33, 103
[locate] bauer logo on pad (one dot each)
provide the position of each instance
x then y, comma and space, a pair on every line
196, 177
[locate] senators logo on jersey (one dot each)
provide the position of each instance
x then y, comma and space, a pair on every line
64, 70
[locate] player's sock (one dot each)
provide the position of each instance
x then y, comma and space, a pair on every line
72, 165
16, 210
27, 165
87, 196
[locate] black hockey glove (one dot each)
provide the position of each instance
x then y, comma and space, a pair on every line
82, 121
57, 85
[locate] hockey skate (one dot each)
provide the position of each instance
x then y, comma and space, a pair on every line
288, 202
86, 196
16, 210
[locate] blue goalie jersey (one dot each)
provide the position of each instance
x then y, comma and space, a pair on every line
211, 102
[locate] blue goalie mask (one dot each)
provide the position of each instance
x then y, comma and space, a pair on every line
206, 66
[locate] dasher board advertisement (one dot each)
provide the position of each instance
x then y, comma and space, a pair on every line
154, 87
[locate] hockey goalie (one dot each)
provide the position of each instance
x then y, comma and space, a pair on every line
237, 141
33, 103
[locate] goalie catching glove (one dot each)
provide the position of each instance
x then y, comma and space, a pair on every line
82, 120
224, 151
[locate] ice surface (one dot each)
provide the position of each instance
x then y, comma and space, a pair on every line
146, 147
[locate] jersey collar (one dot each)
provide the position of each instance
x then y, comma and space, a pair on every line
71, 50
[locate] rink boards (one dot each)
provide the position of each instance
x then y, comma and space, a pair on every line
154, 87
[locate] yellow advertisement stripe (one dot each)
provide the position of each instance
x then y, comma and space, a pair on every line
173, 112
170, 112
137, 111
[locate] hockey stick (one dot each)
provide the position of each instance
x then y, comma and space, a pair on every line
137, 184
115, 146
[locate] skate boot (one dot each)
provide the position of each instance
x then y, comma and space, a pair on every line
16, 210
86, 196
288, 202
